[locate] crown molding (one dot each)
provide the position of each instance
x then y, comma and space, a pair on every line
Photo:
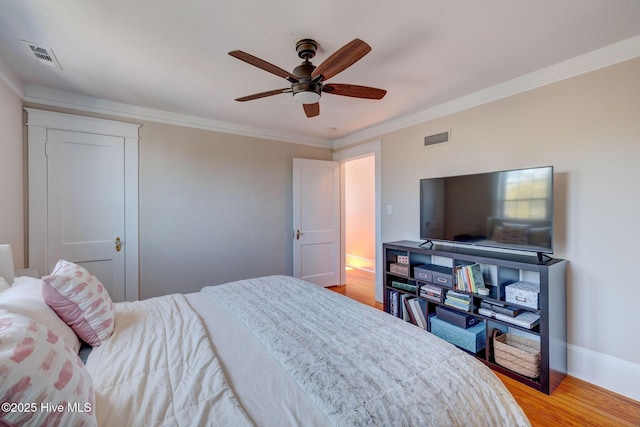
57, 98
600, 58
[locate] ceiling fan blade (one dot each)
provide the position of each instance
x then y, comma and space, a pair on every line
262, 64
263, 94
311, 110
342, 59
354, 91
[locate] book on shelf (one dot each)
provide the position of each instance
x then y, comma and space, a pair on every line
416, 307
458, 300
393, 303
403, 307
526, 319
501, 308
431, 292
454, 294
404, 286
409, 310
455, 304
421, 307
469, 278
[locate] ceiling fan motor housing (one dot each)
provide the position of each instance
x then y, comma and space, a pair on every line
305, 83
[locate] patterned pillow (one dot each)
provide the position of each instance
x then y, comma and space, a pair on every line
80, 300
42, 381
25, 298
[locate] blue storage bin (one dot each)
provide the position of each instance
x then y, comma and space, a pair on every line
472, 339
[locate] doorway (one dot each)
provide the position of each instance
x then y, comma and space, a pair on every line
361, 231
359, 214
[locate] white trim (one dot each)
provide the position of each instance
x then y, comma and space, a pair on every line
600, 58
352, 153
52, 97
612, 373
39, 121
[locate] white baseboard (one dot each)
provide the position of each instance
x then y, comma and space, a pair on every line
361, 263
617, 375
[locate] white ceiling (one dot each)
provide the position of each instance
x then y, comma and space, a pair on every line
166, 59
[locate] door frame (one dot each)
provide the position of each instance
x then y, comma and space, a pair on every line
371, 148
38, 122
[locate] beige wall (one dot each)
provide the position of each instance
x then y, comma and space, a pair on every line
588, 127
359, 209
214, 207
11, 174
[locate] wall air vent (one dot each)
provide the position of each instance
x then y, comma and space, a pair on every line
437, 138
43, 54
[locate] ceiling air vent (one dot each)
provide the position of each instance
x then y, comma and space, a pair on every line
43, 54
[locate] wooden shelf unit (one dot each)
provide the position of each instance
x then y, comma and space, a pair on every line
499, 270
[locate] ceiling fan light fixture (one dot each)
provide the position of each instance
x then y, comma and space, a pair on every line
306, 97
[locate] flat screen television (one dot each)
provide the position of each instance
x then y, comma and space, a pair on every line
510, 209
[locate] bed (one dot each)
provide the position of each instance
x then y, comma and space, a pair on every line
270, 351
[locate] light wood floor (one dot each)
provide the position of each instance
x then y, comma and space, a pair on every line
573, 403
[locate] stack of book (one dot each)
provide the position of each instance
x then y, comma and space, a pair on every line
458, 300
509, 314
469, 278
431, 292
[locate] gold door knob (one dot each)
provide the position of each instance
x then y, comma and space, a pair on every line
118, 244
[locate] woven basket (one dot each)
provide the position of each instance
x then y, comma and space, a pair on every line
517, 353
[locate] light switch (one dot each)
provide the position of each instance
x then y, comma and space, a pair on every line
389, 209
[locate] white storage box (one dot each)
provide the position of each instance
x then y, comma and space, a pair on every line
523, 293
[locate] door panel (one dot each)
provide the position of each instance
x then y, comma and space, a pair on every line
85, 204
316, 206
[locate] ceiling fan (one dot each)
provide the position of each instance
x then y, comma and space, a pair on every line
308, 81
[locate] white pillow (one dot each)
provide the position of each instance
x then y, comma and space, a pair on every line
25, 298
6, 263
3, 285
37, 370
80, 300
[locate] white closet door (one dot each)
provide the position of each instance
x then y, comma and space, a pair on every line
86, 205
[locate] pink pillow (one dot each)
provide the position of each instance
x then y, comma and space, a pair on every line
38, 371
80, 300
25, 298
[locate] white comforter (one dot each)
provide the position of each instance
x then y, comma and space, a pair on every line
363, 367
159, 369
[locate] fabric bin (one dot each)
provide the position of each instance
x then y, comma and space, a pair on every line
472, 339
523, 293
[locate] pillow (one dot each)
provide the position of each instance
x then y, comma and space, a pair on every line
6, 263
3, 285
25, 298
80, 300
38, 371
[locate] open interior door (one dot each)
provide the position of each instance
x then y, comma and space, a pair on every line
316, 221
